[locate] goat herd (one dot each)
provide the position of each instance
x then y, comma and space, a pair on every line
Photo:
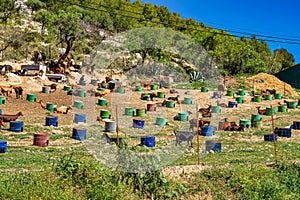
109, 86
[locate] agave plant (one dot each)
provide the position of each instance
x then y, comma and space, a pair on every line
196, 77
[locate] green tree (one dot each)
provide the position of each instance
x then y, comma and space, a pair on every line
284, 57
65, 27
44, 17
35, 5
8, 9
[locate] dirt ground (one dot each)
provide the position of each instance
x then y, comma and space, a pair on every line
34, 114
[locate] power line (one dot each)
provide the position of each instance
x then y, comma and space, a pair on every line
265, 34
232, 31
263, 37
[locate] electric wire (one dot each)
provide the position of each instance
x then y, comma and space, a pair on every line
238, 34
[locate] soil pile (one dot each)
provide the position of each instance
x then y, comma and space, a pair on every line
267, 81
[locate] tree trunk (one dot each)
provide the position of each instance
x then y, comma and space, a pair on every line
68, 49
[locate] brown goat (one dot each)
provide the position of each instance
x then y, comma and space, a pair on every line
161, 104
173, 91
180, 101
261, 111
174, 98
1, 123
43, 104
52, 86
205, 110
63, 109
10, 117
146, 84
201, 122
206, 115
6, 90
234, 128
229, 126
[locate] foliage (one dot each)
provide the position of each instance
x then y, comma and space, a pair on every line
35, 5
284, 57
65, 27
72, 23
8, 9
113, 184
247, 182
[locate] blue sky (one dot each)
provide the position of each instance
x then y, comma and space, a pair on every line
265, 17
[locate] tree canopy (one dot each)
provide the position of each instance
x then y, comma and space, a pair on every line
70, 23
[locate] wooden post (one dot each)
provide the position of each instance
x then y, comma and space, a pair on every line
118, 140
253, 87
274, 136
284, 89
117, 128
26, 53
197, 132
2, 53
49, 52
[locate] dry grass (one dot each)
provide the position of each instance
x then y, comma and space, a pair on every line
270, 82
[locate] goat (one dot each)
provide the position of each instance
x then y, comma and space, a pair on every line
263, 91
273, 91
43, 104
180, 101
205, 110
108, 79
225, 125
221, 87
152, 95
95, 92
201, 122
110, 140
7, 68
188, 92
70, 92
1, 123
223, 105
282, 104
173, 91
102, 84
184, 136
261, 111
161, 104
174, 98
100, 93
6, 90
146, 84
19, 92
234, 128
52, 86
10, 117
206, 115
63, 109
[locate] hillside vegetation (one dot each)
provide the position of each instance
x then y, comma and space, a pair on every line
79, 26
247, 167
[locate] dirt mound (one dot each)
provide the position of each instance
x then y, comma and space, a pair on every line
267, 81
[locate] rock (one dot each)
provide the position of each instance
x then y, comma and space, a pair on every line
13, 78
